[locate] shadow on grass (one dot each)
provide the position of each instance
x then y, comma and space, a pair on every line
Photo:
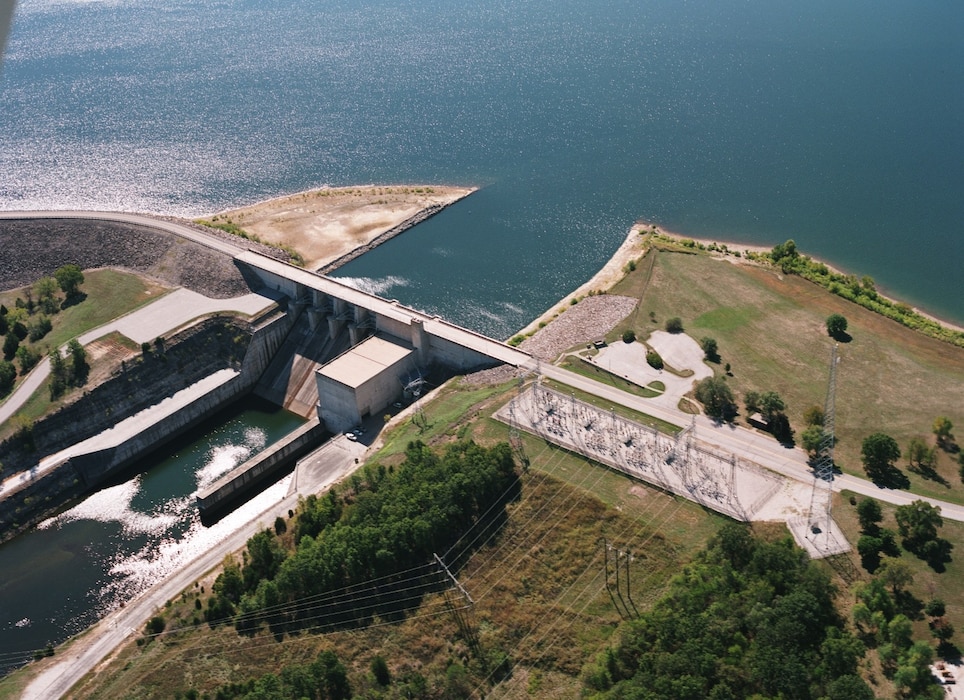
928, 472
73, 300
842, 337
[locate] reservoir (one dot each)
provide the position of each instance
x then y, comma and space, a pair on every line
86, 562
837, 124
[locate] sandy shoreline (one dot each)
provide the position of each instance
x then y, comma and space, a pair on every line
332, 224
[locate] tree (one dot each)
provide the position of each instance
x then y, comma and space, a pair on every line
69, 277
717, 398
27, 357
654, 360
10, 344
814, 415
942, 629
942, 429
78, 359
878, 452
752, 401
896, 574
870, 515
771, 404
674, 325
836, 325
8, 375
812, 438
380, 671
629, 335
917, 523
39, 328
710, 349
46, 290
786, 256
58, 374
920, 457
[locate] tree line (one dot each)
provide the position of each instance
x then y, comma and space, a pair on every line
25, 325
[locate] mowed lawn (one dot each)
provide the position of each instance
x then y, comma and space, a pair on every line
770, 328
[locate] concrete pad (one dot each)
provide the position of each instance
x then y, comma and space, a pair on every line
173, 311
628, 360
828, 541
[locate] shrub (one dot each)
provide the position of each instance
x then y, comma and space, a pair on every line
674, 325
155, 625
710, 349
629, 336
380, 671
654, 360
41, 327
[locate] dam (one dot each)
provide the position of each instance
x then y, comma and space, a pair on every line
330, 353
383, 344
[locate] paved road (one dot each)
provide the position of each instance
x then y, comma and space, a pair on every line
315, 473
42, 370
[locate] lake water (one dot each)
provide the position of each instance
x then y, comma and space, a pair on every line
840, 125
113, 545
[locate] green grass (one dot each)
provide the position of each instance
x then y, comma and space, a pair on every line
445, 417
110, 294
770, 328
587, 369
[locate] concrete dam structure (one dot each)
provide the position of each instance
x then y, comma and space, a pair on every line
346, 359
320, 348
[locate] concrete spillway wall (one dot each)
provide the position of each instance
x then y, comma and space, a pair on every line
161, 424
260, 468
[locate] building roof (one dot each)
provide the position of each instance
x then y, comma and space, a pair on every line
365, 361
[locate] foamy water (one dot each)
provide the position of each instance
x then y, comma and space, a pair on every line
117, 542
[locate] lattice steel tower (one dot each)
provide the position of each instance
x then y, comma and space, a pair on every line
823, 467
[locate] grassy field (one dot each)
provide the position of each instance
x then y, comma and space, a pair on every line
770, 328
110, 294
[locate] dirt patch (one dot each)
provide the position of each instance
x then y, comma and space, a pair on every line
326, 224
639, 492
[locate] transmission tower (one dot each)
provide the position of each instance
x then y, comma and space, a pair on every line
515, 437
823, 467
